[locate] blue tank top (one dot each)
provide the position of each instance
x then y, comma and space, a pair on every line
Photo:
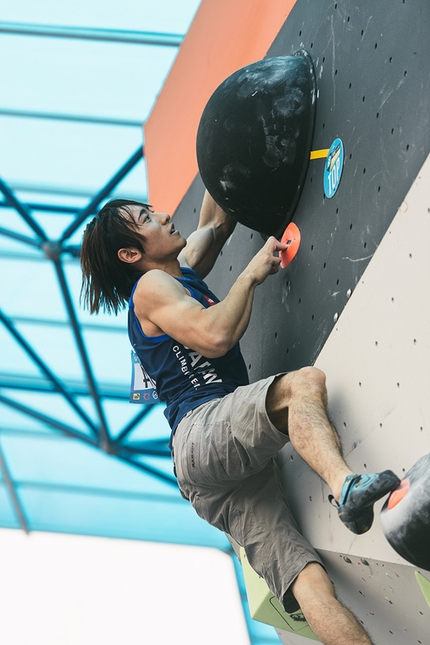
184, 378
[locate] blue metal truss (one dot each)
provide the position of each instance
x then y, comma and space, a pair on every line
88, 398
97, 435
84, 33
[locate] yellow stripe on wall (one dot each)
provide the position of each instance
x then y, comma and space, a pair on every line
319, 154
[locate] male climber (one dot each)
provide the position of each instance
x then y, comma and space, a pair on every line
226, 432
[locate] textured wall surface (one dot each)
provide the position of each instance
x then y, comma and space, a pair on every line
373, 87
355, 300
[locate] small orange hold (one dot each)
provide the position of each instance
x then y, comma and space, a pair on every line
291, 236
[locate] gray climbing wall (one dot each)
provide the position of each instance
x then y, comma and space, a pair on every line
355, 300
373, 86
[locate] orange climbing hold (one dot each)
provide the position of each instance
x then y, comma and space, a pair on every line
291, 236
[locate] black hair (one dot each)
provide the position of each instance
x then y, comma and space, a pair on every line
107, 282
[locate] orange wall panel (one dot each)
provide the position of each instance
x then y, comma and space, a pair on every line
224, 36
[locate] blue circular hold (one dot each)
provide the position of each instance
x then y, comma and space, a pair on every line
333, 168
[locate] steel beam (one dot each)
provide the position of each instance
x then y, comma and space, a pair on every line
149, 470
103, 193
73, 250
27, 257
21, 238
75, 434
91, 33
51, 322
49, 208
103, 492
103, 428
27, 383
49, 421
78, 192
75, 118
12, 492
133, 423
22, 210
142, 449
58, 385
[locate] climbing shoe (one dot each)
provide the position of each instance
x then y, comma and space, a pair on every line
359, 493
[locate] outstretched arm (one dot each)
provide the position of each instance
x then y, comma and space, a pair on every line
204, 245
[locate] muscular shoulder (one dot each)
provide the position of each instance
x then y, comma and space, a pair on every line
159, 303
155, 288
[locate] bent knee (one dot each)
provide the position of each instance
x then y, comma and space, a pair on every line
309, 382
312, 373
307, 378
293, 386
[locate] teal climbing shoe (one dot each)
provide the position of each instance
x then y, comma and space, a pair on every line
359, 493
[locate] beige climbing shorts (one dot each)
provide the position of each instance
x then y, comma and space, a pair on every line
224, 456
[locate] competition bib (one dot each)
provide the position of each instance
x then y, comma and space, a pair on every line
143, 388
